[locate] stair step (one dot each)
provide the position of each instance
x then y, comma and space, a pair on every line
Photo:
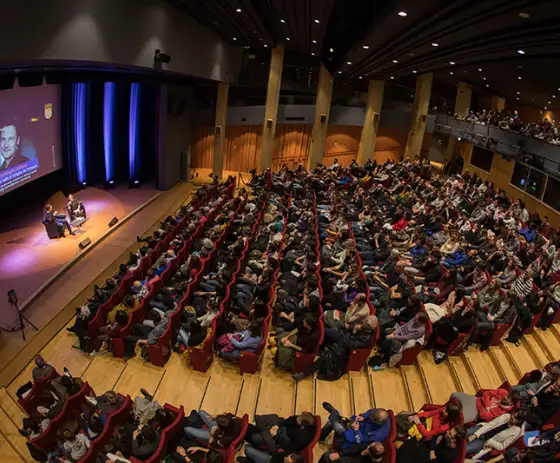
485, 375
389, 389
362, 396
462, 375
549, 343
510, 373
335, 392
536, 351
440, 379
249, 396
417, 393
520, 357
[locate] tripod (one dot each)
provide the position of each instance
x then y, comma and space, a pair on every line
13, 301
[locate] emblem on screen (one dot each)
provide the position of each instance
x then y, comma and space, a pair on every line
48, 110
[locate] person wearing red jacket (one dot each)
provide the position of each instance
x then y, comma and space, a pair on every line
443, 419
493, 403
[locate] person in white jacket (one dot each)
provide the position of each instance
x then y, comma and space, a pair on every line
497, 434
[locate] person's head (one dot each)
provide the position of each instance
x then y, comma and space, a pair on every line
95, 424
453, 435
376, 450
224, 421
517, 418
162, 417
195, 327
40, 362
369, 324
213, 456
70, 197
31, 425
379, 416
111, 397
148, 434
306, 419
9, 141
128, 300
309, 322
153, 315
421, 317
48, 208
67, 434
121, 317
451, 412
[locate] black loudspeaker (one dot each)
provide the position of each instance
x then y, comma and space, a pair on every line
218, 129
84, 244
323, 118
113, 221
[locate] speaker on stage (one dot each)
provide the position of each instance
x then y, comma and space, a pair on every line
84, 244
113, 221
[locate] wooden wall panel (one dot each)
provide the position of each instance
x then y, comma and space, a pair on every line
342, 143
292, 145
390, 145
243, 145
202, 146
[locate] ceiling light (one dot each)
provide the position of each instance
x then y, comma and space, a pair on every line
348, 62
435, 44
366, 47
517, 99
451, 73
238, 10
282, 21
235, 38
287, 38
480, 69
487, 85
403, 14
524, 15
392, 77
518, 93
553, 96
317, 21
313, 54
314, 41
360, 77
484, 78
414, 72
521, 52
519, 77
265, 45
452, 63
549, 102
545, 107
331, 50
395, 61
340, 72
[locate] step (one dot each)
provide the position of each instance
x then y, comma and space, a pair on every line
278, 390
462, 375
11, 407
483, 371
9, 430
416, 387
337, 393
520, 357
249, 395
362, 394
8, 453
440, 380
389, 389
510, 373
305, 396
224, 390
536, 351
549, 343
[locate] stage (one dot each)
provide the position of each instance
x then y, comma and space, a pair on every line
29, 259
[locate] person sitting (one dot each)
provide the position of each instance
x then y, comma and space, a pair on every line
442, 419
147, 332
188, 451
231, 345
490, 404
497, 434
140, 443
191, 334
373, 453
440, 449
302, 339
278, 436
75, 445
76, 211
42, 369
220, 431
52, 216
371, 426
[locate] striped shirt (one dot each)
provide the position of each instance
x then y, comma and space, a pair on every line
521, 286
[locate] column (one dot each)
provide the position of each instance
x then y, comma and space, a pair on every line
321, 122
419, 115
271, 109
498, 103
371, 122
462, 108
220, 130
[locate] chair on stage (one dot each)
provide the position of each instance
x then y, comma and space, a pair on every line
54, 229
78, 217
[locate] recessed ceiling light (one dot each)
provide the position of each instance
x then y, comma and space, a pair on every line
331, 50
235, 38
314, 41
521, 52
392, 77
435, 44
553, 96
524, 15
340, 72
287, 38
282, 21
238, 10
265, 45
414, 72
549, 102
545, 107
487, 85
360, 77
484, 78
313, 54
366, 47
518, 93
395, 61
480, 69
451, 73
517, 99
348, 62
519, 77
452, 63
316, 21
403, 14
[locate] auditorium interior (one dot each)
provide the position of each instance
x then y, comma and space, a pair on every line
311, 208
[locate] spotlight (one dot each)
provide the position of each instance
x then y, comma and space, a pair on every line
111, 182
160, 57
435, 44
403, 14
84, 183
458, 138
521, 52
136, 182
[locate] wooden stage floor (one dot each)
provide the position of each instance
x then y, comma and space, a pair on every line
28, 258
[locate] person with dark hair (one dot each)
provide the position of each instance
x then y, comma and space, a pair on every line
439, 449
191, 334
140, 443
42, 369
188, 452
232, 344
442, 419
52, 216
221, 430
303, 339
373, 453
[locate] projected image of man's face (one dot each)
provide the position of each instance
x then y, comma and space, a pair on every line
9, 141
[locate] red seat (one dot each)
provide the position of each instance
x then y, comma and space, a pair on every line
307, 452
499, 332
32, 400
229, 453
303, 361
409, 355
